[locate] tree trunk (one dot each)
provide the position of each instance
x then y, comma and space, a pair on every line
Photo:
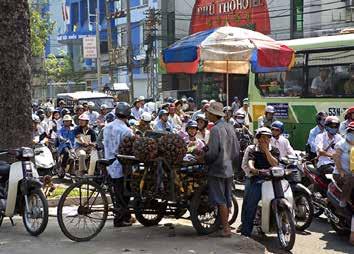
15, 74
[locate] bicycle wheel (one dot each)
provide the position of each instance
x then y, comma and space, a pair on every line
82, 211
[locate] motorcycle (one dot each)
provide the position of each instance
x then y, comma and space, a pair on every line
44, 160
340, 221
318, 185
276, 212
71, 166
245, 138
303, 204
21, 193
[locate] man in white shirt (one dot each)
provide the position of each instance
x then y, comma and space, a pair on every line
244, 110
137, 109
322, 84
279, 141
325, 143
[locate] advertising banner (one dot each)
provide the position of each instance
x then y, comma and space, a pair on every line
250, 14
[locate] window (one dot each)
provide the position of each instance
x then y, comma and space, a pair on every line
75, 16
84, 12
331, 81
281, 84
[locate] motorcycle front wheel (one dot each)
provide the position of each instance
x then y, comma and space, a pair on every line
285, 227
303, 210
35, 216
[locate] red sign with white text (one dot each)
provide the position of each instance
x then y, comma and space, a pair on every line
250, 14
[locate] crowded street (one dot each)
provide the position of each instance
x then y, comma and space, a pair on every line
176, 126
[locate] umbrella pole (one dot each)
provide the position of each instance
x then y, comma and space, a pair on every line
227, 89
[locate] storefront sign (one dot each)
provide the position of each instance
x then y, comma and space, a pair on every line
251, 14
281, 110
89, 45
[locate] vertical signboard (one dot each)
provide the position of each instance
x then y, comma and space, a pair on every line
89, 45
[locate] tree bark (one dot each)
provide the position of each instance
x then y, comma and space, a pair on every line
15, 74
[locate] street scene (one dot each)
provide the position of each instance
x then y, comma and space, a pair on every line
176, 126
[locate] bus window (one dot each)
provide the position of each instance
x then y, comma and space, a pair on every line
333, 81
281, 84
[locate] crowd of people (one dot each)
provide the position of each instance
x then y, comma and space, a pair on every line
212, 131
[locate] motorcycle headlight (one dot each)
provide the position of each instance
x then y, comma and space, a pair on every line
27, 152
278, 172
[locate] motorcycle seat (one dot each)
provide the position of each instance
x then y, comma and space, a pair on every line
105, 162
4, 168
313, 169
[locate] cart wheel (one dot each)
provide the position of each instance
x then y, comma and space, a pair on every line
234, 210
82, 211
149, 212
204, 217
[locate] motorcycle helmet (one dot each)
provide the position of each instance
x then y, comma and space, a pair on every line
320, 116
40, 112
332, 121
202, 117
348, 113
49, 110
35, 118
263, 131
227, 108
163, 112
146, 117
270, 109
278, 125
191, 124
350, 127
67, 118
109, 117
65, 111
84, 117
123, 110
91, 104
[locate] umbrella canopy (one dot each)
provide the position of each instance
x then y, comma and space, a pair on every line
227, 50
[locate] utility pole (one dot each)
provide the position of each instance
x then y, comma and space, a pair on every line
98, 61
130, 53
110, 43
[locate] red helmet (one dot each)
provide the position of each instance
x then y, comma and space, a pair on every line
350, 126
348, 112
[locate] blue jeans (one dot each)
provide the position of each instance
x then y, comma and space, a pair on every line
245, 198
254, 195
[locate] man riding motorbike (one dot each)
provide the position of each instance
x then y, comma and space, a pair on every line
348, 118
279, 141
163, 124
260, 156
268, 118
66, 140
144, 124
320, 128
85, 139
325, 143
343, 174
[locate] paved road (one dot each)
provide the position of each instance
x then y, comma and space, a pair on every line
133, 240
319, 239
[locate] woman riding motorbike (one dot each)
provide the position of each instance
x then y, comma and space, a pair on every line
343, 174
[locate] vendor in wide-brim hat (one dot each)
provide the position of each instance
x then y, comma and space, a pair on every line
137, 109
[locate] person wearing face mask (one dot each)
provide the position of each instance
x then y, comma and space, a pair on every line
279, 141
325, 143
320, 128
344, 171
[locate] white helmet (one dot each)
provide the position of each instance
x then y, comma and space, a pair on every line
263, 131
67, 118
146, 116
270, 109
84, 117
90, 104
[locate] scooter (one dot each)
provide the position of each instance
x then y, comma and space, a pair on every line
303, 203
276, 213
44, 160
21, 193
340, 221
71, 166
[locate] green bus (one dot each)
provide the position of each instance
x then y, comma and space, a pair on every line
321, 80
